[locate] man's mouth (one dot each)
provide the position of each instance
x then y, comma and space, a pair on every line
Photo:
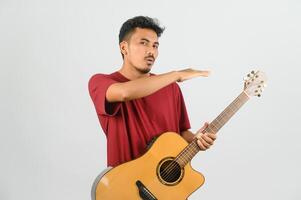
150, 60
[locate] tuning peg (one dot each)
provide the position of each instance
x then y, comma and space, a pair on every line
259, 95
249, 75
259, 86
253, 72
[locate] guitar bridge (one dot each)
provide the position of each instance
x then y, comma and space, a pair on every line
144, 193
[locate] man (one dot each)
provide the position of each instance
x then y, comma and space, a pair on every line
133, 105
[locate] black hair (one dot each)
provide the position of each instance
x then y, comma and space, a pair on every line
139, 22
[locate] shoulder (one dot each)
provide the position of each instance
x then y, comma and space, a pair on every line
99, 76
102, 78
96, 78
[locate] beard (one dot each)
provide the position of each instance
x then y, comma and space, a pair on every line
143, 70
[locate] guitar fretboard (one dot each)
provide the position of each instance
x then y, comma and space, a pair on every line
192, 149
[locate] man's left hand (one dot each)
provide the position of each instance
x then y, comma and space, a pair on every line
205, 140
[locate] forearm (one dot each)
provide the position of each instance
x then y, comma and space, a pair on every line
188, 135
140, 87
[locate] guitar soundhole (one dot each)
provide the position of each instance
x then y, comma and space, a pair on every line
170, 172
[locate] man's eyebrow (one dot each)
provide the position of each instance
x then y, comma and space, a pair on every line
147, 40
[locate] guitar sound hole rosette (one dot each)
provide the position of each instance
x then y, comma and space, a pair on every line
169, 172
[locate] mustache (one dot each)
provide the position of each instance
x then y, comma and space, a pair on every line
150, 57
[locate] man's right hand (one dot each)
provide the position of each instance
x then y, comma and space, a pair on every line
190, 73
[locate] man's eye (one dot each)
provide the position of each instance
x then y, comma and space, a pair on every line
144, 43
156, 47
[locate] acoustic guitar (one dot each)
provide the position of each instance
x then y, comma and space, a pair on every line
164, 172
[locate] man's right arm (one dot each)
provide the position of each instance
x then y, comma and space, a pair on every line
145, 86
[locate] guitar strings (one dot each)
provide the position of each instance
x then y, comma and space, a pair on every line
171, 166
169, 171
186, 150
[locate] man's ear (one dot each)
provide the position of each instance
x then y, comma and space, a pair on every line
123, 47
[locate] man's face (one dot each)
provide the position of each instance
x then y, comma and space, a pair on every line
141, 49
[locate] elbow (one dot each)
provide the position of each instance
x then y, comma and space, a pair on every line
115, 93
125, 95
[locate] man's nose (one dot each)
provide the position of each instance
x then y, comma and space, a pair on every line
150, 51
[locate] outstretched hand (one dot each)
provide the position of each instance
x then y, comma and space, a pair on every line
190, 73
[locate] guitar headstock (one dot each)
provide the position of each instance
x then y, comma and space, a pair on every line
254, 83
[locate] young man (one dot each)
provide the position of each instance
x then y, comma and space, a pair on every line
133, 105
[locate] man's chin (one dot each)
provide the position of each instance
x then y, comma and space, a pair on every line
145, 70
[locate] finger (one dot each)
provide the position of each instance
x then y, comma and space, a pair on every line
197, 73
212, 136
208, 139
201, 146
192, 73
199, 136
204, 73
206, 124
204, 142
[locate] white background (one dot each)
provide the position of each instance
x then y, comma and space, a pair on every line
52, 146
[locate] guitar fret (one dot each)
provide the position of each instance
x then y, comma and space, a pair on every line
192, 149
228, 112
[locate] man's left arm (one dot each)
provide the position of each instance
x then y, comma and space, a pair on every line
205, 140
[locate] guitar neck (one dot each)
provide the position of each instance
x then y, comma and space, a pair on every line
229, 111
192, 149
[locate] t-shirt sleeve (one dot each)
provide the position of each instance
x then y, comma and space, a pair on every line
98, 86
184, 123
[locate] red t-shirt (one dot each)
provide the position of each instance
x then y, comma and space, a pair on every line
129, 126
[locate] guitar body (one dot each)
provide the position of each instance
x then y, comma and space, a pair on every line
121, 182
